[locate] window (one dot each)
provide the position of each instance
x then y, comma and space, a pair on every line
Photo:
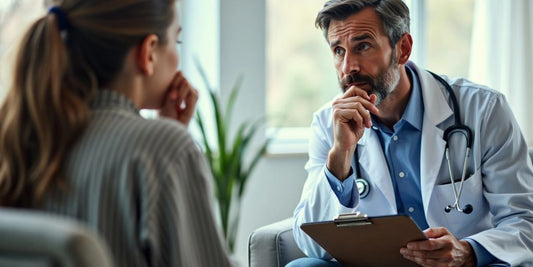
300, 72
448, 31
15, 15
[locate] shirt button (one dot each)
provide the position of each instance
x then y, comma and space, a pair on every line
411, 209
338, 188
401, 174
395, 138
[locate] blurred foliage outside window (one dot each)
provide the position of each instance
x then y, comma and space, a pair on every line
300, 72
448, 36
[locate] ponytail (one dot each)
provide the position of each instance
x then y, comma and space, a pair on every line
40, 118
76, 49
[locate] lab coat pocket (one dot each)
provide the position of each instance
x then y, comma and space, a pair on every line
459, 223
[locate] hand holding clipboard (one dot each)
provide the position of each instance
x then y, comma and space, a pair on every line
358, 240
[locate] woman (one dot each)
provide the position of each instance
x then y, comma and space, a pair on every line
72, 141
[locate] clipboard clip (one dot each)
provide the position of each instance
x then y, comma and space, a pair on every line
351, 219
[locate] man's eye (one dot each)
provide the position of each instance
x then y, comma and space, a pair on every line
338, 51
363, 46
178, 42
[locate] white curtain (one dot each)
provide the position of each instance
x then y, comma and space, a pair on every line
502, 54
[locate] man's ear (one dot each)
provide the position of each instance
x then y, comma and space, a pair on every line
146, 54
403, 48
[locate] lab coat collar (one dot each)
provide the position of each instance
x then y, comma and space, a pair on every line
432, 144
438, 109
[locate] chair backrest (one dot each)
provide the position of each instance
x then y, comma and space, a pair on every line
34, 238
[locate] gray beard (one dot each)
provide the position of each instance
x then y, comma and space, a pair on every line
385, 83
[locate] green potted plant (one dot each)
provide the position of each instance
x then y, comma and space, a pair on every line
226, 157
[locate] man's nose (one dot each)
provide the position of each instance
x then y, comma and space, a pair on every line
350, 64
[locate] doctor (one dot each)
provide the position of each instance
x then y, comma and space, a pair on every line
393, 115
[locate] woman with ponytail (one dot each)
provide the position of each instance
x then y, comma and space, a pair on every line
72, 141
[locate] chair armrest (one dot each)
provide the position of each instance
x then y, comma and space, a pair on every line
273, 245
36, 238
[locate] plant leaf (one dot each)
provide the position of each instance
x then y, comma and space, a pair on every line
232, 98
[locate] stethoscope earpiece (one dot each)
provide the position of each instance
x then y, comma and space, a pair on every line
468, 209
448, 208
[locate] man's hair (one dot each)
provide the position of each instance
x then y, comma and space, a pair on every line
394, 15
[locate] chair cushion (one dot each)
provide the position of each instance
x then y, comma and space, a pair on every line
273, 245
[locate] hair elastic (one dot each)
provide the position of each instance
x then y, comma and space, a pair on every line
61, 16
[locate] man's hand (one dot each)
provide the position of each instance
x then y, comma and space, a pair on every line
351, 115
180, 100
442, 249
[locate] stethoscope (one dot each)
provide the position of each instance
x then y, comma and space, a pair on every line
363, 186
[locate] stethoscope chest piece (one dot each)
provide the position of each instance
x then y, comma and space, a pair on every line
363, 187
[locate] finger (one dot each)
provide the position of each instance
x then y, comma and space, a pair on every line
373, 98
436, 232
356, 91
367, 120
174, 86
425, 262
348, 115
168, 107
183, 89
187, 111
363, 112
429, 245
367, 104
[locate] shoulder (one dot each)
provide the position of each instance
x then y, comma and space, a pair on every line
162, 135
131, 135
474, 96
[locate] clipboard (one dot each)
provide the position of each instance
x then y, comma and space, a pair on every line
358, 240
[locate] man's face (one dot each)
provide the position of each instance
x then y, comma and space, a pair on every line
362, 54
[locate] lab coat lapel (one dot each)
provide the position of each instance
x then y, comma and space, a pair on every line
436, 111
372, 161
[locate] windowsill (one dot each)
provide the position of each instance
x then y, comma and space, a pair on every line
288, 141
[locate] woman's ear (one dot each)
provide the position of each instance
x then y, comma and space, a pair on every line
404, 48
146, 54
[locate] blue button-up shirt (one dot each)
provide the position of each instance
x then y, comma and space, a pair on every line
401, 146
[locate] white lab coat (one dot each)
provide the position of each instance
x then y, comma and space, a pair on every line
499, 181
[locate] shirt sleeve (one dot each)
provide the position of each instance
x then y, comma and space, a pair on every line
343, 190
483, 257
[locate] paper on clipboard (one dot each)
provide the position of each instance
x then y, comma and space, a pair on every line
358, 240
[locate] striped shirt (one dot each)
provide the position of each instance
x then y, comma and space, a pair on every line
143, 185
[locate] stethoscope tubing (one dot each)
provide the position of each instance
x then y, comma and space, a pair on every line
364, 186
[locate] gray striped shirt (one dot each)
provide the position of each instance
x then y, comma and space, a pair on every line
144, 186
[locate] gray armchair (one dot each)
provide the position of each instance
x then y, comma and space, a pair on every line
33, 238
274, 246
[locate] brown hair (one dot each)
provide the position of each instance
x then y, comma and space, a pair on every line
394, 15
55, 71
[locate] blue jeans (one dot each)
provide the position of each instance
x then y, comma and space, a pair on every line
312, 262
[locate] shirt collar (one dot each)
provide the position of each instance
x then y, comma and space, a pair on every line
109, 98
414, 112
